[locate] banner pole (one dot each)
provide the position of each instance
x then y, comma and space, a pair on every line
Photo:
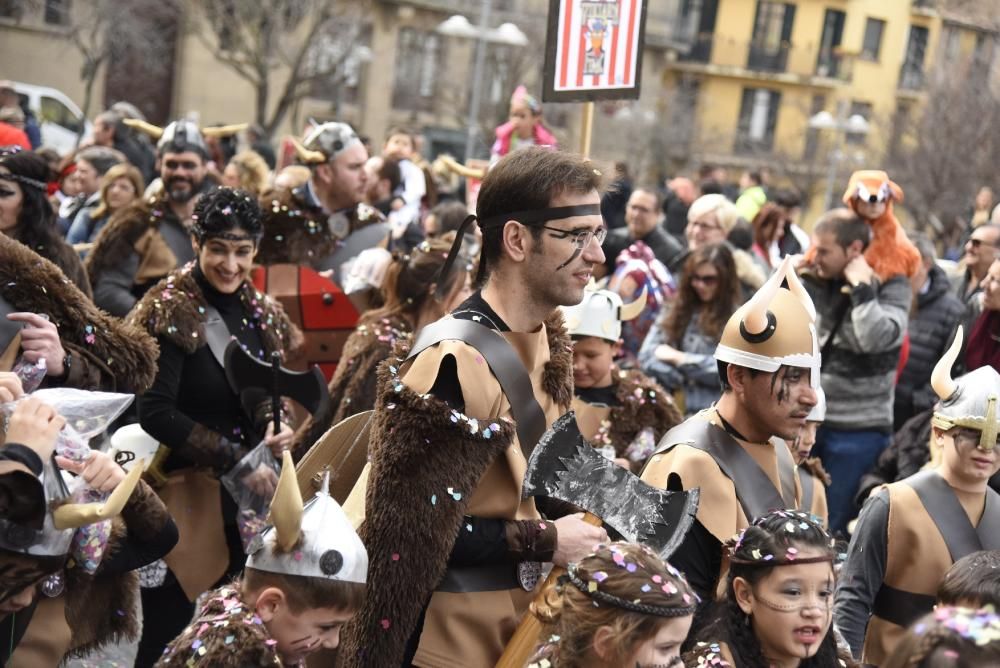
586, 128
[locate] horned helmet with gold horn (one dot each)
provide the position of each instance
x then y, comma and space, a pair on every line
183, 135
968, 401
601, 313
315, 540
62, 517
325, 142
776, 327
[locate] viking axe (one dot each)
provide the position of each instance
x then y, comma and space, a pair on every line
565, 466
252, 378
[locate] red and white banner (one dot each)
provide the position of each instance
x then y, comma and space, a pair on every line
594, 49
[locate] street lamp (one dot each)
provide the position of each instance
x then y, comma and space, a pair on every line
856, 124
506, 33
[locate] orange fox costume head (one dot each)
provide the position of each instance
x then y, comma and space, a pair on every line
890, 252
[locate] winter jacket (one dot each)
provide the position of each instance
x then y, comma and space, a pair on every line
698, 376
932, 327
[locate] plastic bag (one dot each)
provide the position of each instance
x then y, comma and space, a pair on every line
87, 414
251, 483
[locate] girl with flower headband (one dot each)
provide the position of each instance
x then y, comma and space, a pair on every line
620, 606
950, 637
778, 605
410, 300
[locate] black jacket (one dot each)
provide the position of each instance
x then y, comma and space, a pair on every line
666, 248
932, 327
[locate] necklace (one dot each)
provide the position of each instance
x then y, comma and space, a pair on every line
480, 315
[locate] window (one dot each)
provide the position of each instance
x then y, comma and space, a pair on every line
11, 9
57, 12
418, 60
872, 42
911, 75
949, 38
828, 62
772, 30
54, 111
758, 117
812, 134
696, 26
863, 109
338, 60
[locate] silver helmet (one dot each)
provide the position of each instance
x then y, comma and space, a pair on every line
967, 401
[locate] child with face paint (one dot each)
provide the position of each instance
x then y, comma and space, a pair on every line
812, 476
778, 605
620, 606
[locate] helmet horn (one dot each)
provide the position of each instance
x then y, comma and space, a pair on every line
286, 507
153, 131
308, 156
941, 380
631, 311
755, 320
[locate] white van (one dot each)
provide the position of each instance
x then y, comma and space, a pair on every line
58, 116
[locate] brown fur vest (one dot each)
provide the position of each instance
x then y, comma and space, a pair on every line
641, 403
353, 386
124, 354
296, 232
174, 308
116, 240
419, 448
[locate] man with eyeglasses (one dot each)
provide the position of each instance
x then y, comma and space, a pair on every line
911, 532
457, 416
146, 241
981, 249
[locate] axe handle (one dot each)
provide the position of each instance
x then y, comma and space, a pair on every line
525, 639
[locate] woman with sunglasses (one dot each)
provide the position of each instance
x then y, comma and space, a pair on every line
678, 352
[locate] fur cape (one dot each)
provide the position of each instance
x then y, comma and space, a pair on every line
641, 403
116, 240
226, 632
419, 448
298, 232
174, 308
353, 386
112, 355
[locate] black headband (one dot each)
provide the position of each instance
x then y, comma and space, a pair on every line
532, 217
24, 180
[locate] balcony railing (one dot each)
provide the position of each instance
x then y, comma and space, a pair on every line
768, 57
700, 50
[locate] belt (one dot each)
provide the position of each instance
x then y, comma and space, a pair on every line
901, 607
501, 577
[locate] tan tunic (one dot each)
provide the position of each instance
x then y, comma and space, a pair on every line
471, 629
719, 510
916, 560
590, 418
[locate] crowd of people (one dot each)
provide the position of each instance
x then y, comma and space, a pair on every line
821, 406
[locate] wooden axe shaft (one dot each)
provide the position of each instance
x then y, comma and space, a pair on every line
525, 639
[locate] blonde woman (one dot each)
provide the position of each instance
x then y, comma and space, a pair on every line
246, 171
120, 186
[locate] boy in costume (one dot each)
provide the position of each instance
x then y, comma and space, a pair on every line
812, 476
910, 532
305, 577
769, 369
622, 412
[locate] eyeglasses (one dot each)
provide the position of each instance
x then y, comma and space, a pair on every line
707, 279
696, 224
976, 243
581, 239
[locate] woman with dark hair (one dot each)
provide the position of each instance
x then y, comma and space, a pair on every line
778, 605
27, 216
409, 289
193, 412
768, 229
678, 352
620, 606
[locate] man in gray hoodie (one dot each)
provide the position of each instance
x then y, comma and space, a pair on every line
861, 326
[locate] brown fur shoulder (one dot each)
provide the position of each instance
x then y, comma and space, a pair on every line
557, 377
426, 459
175, 307
815, 467
641, 403
32, 283
294, 232
116, 240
